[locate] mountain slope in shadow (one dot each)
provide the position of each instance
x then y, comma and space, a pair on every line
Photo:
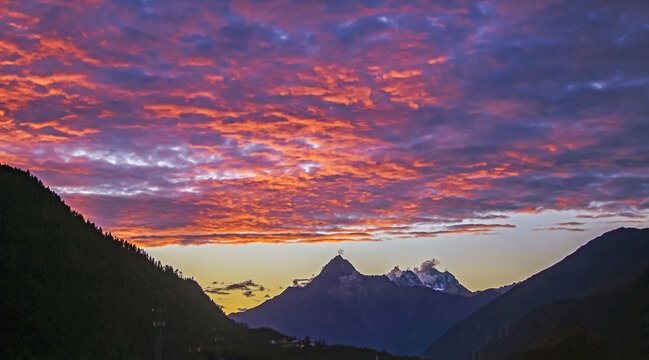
611, 326
605, 263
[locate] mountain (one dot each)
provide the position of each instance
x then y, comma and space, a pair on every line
428, 276
610, 261
404, 278
70, 291
614, 325
343, 306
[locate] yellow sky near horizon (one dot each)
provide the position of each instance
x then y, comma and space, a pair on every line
478, 261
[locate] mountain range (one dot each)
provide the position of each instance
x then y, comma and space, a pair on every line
404, 310
70, 290
343, 306
428, 276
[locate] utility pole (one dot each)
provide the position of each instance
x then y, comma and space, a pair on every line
158, 325
219, 339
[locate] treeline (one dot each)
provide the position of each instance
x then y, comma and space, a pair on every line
97, 230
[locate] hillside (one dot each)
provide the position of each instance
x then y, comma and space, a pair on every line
71, 291
610, 326
343, 306
605, 263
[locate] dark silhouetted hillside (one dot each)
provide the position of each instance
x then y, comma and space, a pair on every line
608, 327
343, 306
605, 263
69, 291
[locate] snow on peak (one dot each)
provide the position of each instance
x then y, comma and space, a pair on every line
404, 278
437, 280
427, 275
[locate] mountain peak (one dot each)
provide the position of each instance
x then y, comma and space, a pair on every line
430, 277
339, 266
337, 258
334, 270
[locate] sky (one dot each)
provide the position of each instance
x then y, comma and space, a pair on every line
250, 140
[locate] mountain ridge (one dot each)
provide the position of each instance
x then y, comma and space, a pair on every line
584, 272
612, 325
342, 306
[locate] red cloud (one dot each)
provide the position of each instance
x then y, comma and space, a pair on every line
190, 122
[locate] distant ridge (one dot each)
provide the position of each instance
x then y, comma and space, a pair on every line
607, 262
343, 306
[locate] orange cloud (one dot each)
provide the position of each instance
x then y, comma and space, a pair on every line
311, 123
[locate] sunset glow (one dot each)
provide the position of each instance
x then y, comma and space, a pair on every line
215, 122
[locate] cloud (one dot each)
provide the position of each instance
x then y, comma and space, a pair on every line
570, 223
596, 216
150, 117
558, 228
247, 288
300, 282
246, 238
453, 229
216, 291
427, 265
349, 32
245, 285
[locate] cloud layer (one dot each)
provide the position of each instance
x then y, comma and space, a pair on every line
247, 288
289, 121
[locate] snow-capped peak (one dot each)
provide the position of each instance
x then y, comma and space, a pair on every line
404, 278
428, 276
437, 280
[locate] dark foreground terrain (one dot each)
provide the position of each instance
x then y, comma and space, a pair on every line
591, 305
